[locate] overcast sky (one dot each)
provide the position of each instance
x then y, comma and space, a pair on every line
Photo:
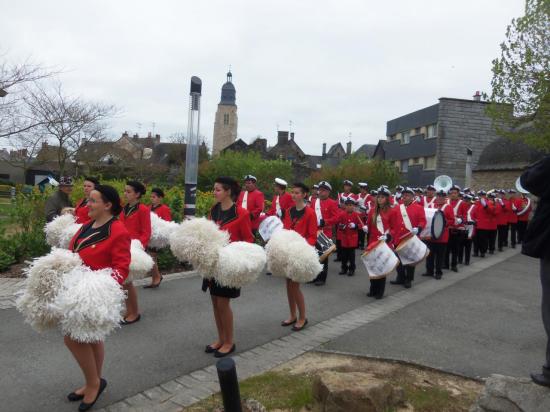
332, 67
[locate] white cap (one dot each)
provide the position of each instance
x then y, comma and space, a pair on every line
250, 177
281, 182
362, 184
325, 185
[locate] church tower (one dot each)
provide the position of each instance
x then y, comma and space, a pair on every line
225, 125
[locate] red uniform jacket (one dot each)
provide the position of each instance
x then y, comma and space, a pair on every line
109, 248
374, 233
237, 224
348, 236
81, 211
428, 201
485, 216
449, 222
306, 225
341, 198
471, 216
459, 211
328, 212
524, 205
137, 220
285, 202
254, 205
163, 211
502, 206
511, 213
417, 216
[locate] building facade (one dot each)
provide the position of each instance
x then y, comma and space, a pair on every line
225, 124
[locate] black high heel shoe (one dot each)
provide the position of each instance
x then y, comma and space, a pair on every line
87, 406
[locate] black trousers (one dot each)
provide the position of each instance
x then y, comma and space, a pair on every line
475, 243
323, 275
455, 237
502, 231
483, 240
492, 240
435, 258
405, 273
521, 230
377, 287
338, 249
362, 239
545, 304
513, 234
465, 251
348, 258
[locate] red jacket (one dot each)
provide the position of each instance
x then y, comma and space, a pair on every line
525, 206
449, 222
512, 217
110, 248
341, 198
502, 206
349, 236
374, 233
238, 225
459, 208
163, 211
285, 202
417, 216
428, 202
485, 215
329, 214
254, 205
138, 222
306, 226
81, 211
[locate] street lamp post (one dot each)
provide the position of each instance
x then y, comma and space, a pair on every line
192, 148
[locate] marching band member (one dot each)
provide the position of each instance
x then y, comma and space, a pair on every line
234, 219
281, 200
378, 227
493, 219
60, 199
314, 194
418, 195
523, 211
484, 212
302, 220
512, 217
457, 230
349, 224
326, 210
397, 195
163, 211
342, 197
437, 246
409, 217
429, 199
502, 205
137, 219
252, 199
364, 202
81, 208
103, 242
466, 247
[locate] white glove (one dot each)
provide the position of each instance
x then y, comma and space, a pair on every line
514, 208
483, 202
458, 221
279, 213
366, 229
383, 237
352, 226
414, 231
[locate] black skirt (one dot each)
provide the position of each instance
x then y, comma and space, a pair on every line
217, 290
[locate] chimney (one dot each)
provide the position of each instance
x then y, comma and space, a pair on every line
149, 134
292, 136
348, 148
44, 145
282, 137
157, 138
324, 149
477, 97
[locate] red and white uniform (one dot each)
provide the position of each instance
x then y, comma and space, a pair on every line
238, 225
379, 226
279, 204
305, 225
501, 211
348, 225
137, 220
81, 211
342, 197
449, 222
485, 215
253, 202
428, 202
109, 247
458, 206
524, 209
511, 211
471, 218
163, 211
404, 218
326, 210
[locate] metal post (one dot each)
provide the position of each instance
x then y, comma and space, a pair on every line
192, 147
468, 176
229, 385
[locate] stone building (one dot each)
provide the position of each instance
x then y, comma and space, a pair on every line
225, 124
434, 140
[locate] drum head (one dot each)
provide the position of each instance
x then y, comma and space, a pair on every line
438, 224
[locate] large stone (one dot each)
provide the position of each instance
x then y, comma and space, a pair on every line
354, 392
508, 394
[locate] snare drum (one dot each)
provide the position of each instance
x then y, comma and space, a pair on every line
269, 226
325, 246
435, 224
412, 251
379, 260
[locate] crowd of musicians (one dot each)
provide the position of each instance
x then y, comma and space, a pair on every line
474, 224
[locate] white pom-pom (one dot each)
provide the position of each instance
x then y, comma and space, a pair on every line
198, 241
239, 264
160, 231
67, 234
141, 263
54, 229
89, 304
44, 279
289, 255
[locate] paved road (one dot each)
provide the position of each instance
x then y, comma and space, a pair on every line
488, 323
37, 370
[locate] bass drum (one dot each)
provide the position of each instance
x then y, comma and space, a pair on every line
435, 224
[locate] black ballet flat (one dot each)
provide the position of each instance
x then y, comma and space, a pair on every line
299, 328
87, 406
210, 349
285, 323
129, 322
73, 397
218, 354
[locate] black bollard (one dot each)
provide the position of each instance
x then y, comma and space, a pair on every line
229, 385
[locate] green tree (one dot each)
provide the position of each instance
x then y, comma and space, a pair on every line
520, 98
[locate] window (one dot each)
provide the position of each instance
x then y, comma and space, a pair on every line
404, 166
406, 137
432, 130
226, 119
429, 162
417, 130
415, 161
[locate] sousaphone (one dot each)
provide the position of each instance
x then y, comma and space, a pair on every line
443, 182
